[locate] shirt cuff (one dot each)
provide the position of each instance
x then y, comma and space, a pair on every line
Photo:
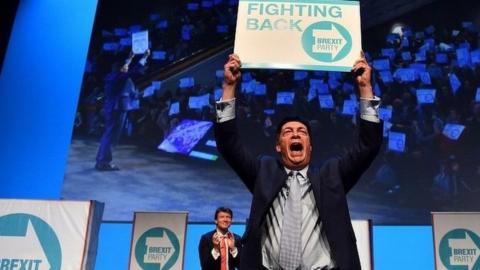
369, 109
225, 110
234, 252
215, 253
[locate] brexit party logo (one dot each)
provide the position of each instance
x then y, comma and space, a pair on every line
459, 250
326, 41
28, 243
157, 249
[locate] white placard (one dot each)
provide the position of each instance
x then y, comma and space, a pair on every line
285, 98
326, 101
453, 131
55, 235
140, 42
396, 141
149, 91
386, 128
304, 34
426, 96
349, 107
158, 240
385, 113
198, 102
456, 238
174, 108
362, 229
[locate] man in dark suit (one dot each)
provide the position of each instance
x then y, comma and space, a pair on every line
119, 92
219, 249
299, 217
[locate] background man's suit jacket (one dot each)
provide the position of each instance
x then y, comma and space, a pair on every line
205, 252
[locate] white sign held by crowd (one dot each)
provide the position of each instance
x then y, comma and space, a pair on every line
140, 42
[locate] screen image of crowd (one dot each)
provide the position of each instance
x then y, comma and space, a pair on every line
428, 79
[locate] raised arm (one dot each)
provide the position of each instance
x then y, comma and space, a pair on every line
362, 153
226, 130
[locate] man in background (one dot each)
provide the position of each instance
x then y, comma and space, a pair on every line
219, 249
119, 92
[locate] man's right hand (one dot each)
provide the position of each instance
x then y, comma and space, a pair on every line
216, 241
232, 70
232, 74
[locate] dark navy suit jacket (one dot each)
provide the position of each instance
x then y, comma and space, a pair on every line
120, 89
205, 252
265, 176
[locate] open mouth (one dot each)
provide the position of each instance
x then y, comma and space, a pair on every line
296, 147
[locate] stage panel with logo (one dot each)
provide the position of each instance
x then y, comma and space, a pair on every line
158, 241
50, 235
457, 240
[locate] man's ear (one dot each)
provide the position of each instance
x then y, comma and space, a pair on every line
277, 148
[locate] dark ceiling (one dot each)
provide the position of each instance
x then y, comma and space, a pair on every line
375, 12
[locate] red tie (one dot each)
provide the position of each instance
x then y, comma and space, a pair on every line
223, 255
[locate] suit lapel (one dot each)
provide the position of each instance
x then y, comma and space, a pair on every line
280, 178
281, 174
315, 181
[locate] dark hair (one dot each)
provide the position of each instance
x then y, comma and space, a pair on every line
223, 209
293, 119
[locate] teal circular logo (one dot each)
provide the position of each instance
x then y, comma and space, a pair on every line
459, 249
326, 41
157, 249
42, 248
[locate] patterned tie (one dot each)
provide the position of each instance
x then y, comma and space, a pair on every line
223, 254
290, 250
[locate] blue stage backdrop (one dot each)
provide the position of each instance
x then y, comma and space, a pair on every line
39, 88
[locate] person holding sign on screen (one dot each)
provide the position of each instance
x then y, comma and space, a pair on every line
299, 217
119, 92
219, 249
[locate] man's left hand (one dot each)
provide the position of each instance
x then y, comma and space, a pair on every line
231, 241
363, 76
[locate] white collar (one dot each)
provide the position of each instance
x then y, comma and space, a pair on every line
303, 171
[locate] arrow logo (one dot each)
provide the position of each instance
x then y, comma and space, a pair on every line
326, 41
464, 252
159, 250
329, 41
25, 251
